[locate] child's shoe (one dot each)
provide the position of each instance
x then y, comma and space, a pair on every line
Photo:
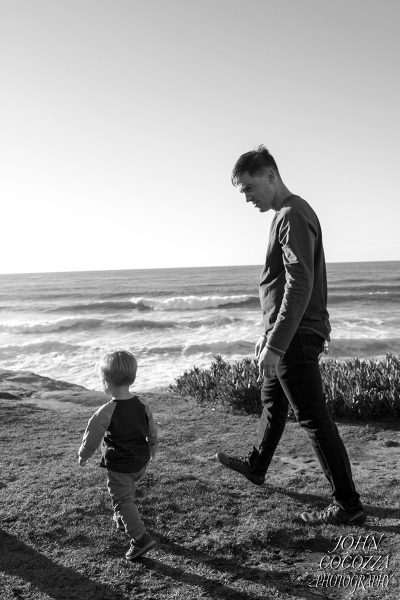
118, 523
140, 546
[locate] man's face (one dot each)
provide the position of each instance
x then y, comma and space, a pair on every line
259, 189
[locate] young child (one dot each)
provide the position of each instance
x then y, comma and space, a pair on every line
127, 430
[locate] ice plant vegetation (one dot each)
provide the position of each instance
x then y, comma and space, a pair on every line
358, 389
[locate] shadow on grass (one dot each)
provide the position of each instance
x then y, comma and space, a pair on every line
317, 500
61, 583
378, 512
211, 586
383, 512
230, 569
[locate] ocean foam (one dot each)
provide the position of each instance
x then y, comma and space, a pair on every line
95, 306
192, 302
83, 324
230, 347
51, 326
39, 348
367, 347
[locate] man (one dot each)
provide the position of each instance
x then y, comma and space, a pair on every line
293, 295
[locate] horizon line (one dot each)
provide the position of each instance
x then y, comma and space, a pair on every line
182, 268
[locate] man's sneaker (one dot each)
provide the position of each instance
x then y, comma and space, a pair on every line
240, 465
118, 522
140, 546
335, 515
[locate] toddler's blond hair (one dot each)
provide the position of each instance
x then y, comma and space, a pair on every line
118, 367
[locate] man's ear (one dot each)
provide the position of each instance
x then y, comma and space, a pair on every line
271, 175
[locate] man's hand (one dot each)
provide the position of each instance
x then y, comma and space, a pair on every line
82, 462
152, 453
268, 363
260, 345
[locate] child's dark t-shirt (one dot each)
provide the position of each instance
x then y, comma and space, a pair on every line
126, 430
125, 447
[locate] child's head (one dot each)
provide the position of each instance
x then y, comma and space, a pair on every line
118, 368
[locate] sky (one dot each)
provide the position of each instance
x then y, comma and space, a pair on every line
121, 121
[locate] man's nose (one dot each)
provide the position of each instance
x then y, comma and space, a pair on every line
248, 198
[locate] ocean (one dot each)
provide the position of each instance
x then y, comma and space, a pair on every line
59, 324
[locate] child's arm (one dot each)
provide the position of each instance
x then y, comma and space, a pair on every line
95, 430
153, 435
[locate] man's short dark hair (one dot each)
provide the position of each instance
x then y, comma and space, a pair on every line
253, 162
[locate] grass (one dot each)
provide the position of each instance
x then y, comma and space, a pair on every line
218, 536
356, 389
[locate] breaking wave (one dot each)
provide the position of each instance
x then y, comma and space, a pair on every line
97, 306
159, 303
223, 347
87, 324
63, 325
364, 296
361, 347
195, 302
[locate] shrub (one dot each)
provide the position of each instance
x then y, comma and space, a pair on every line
363, 389
357, 389
231, 385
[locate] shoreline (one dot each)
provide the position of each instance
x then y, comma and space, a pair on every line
29, 385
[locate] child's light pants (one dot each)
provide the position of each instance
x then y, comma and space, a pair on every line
122, 489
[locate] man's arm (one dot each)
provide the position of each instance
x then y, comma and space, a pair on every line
296, 236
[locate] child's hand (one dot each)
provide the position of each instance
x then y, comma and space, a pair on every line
82, 462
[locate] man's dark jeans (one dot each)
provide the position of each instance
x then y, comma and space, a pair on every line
298, 381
